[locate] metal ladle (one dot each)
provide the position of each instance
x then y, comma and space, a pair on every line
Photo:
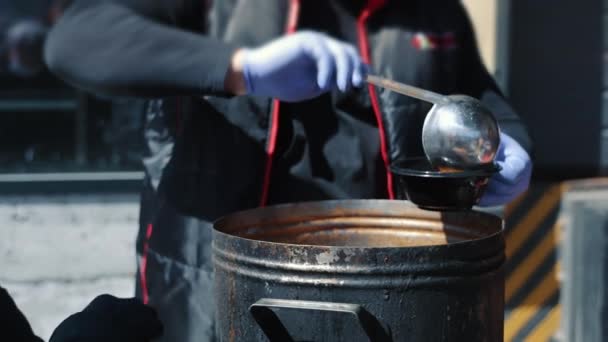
459, 133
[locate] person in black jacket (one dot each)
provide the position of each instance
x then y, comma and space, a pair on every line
262, 102
15, 326
105, 319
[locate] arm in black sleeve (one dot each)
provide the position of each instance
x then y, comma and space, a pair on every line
143, 48
476, 81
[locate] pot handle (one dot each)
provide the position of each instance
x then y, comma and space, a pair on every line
275, 330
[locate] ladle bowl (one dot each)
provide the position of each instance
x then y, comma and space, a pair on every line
459, 133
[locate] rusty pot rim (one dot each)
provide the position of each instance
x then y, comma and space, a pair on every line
370, 205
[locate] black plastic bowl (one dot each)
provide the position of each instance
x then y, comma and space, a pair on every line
417, 181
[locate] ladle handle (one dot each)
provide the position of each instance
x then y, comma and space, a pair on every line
401, 88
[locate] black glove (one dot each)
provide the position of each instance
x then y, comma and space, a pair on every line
108, 318
13, 325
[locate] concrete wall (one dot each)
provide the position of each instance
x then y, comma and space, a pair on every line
57, 253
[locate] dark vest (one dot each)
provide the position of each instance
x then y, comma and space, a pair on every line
329, 147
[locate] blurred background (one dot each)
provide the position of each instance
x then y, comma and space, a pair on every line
70, 169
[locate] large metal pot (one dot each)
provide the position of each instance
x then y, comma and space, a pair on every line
358, 270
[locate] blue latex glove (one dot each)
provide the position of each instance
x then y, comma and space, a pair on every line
513, 179
301, 66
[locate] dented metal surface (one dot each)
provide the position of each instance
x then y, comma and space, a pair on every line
424, 276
